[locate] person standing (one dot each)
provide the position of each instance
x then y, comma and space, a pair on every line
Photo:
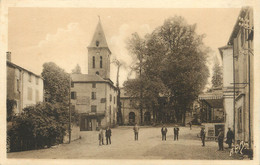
101, 137
190, 123
136, 131
230, 137
164, 132
203, 136
176, 133
220, 140
108, 135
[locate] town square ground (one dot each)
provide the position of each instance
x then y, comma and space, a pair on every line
149, 146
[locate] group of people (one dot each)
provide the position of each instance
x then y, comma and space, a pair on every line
101, 136
175, 132
220, 138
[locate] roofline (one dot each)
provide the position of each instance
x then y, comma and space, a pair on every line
21, 68
243, 11
223, 48
100, 47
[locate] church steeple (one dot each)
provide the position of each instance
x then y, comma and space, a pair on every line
99, 54
99, 38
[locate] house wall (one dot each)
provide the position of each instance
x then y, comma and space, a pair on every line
228, 79
84, 101
128, 108
18, 88
32, 92
244, 62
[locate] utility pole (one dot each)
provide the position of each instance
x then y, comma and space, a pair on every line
141, 89
69, 109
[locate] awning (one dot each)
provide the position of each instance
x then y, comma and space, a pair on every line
214, 99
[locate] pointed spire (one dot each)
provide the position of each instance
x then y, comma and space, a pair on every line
99, 39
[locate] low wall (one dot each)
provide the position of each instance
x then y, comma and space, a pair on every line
75, 134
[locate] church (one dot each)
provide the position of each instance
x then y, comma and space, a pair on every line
94, 95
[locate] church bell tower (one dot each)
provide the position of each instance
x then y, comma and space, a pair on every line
99, 54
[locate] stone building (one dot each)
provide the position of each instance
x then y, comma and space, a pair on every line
23, 86
242, 42
94, 95
131, 112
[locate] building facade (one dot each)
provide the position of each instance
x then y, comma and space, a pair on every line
23, 86
94, 95
131, 112
226, 53
242, 41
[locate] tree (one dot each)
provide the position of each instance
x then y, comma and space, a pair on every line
136, 46
10, 108
217, 78
175, 57
76, 70
56, 83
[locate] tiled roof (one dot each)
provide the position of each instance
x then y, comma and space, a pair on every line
21, 68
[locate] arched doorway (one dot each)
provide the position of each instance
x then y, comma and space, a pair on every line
131, 118
147, 117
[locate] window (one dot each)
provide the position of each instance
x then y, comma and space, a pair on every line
72, 84
93, 108
73, 95
30, 77
240, 122
101, 64
93, 62
93, 95
97, 73
110, 98
29, 93
18, 85
97, 43
93, 85
37, 96
36, 80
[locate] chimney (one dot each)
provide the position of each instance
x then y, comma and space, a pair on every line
8, 56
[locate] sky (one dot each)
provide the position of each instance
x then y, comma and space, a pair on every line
61, 35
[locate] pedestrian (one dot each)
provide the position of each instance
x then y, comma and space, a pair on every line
230, 137
220, 139
108, 135
190, 123
203, 136
176, 133
101, 137
164, 132
136, 130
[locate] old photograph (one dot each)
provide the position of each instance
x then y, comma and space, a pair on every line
130, 83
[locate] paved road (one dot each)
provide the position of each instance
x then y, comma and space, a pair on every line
149, 146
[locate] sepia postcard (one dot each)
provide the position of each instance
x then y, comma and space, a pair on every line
134, 82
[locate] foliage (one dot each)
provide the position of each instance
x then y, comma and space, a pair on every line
174, 58
56, 83
37, 126
76, 70
10, 107
217, 78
